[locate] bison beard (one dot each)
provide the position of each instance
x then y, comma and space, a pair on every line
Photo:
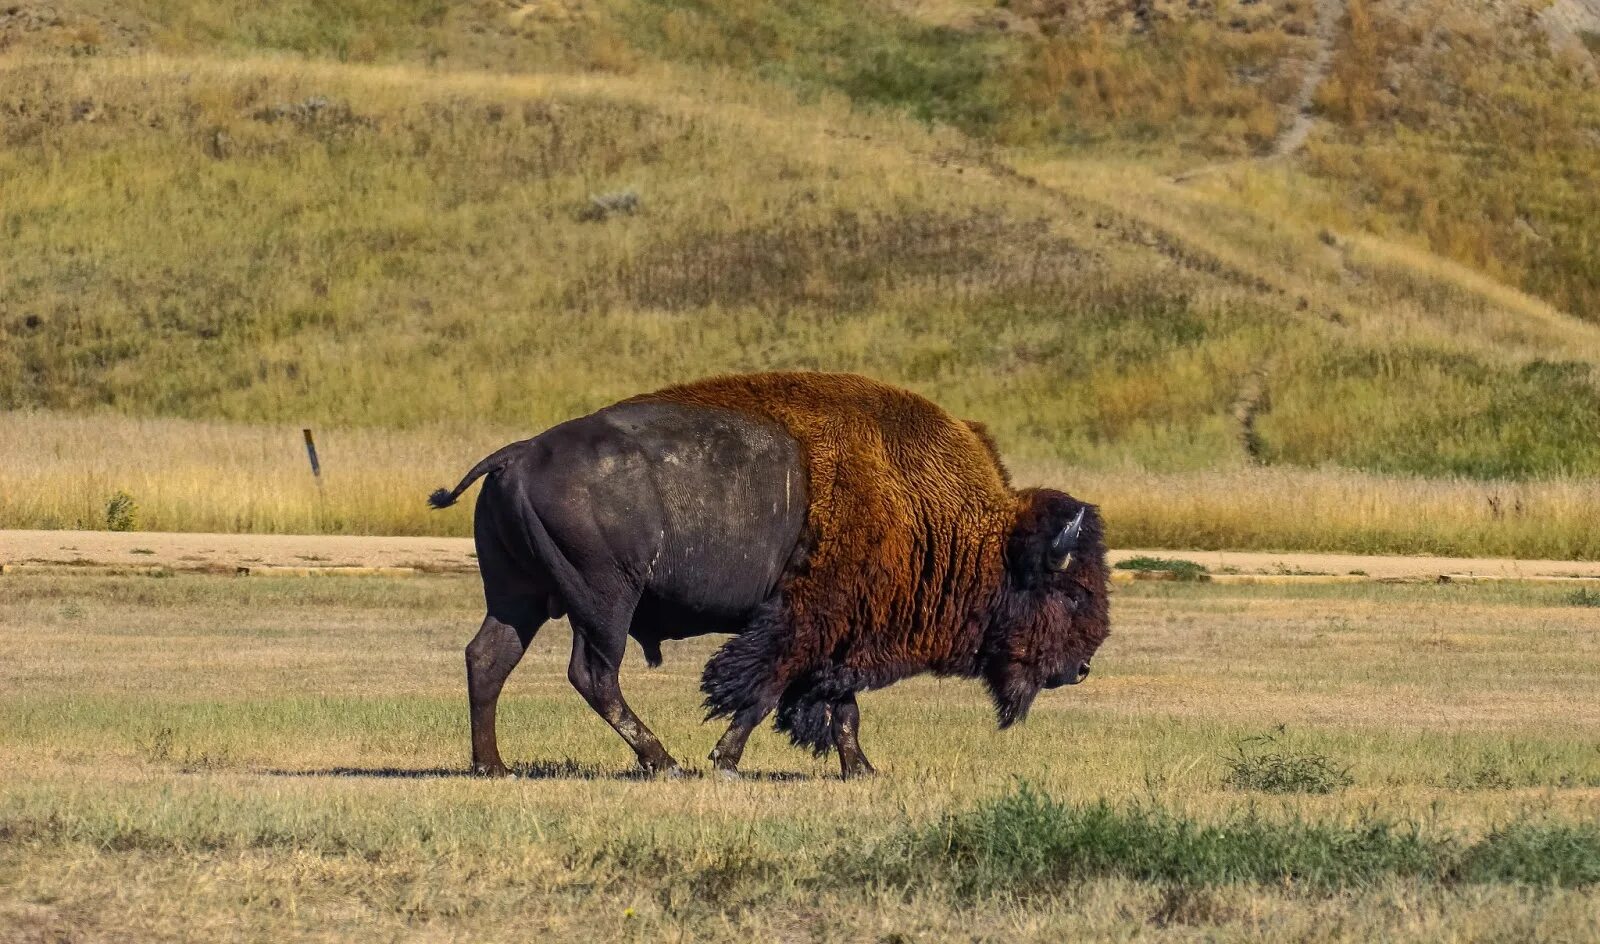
912, 524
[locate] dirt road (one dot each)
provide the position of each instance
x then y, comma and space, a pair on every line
23, 551
231, 551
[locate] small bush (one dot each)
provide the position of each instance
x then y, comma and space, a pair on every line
1485, 776
122, 513
1263, 764
1179, 569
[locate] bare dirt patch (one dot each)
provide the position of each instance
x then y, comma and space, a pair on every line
285, 552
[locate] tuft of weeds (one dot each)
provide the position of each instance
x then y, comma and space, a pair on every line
1178, 569
1264, 764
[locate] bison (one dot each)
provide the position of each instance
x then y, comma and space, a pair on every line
847, 532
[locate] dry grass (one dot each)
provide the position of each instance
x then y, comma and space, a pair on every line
1329, 509
1194, 80
185, 475
166, 737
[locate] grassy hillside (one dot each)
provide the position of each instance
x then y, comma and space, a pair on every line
383, 215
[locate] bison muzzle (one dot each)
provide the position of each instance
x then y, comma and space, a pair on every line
846, 532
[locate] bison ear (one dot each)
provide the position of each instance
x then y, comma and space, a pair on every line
1046, 536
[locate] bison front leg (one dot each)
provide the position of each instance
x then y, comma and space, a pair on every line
730, 748
846, 727
593, 672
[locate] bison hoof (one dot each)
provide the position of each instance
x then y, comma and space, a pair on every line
491, 770
862, 772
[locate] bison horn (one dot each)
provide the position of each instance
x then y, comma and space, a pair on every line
1061, 549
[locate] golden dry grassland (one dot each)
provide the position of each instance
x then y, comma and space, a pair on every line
63, 471
284, 759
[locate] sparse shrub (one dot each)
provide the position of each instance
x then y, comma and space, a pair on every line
1265, 765
1183, 904
122, 512
1515, 766
1028, 841
1179, 569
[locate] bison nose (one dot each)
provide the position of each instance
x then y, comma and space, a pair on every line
1068, 676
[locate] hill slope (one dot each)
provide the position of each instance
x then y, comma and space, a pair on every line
395, 224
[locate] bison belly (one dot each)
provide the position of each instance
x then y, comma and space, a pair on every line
700, 509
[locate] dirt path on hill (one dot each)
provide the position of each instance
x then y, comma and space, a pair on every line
1293, 138
66, 551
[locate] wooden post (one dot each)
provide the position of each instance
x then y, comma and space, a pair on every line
311, 452
316, 473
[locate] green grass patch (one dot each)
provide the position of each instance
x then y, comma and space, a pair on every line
1026, 841
1584, 597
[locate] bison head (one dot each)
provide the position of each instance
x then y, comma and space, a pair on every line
1052, 613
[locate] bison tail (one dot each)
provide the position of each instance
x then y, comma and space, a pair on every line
445, 497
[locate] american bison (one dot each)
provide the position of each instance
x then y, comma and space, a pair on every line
847, 532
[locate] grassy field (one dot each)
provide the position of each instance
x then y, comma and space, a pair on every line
203, 756
429, 228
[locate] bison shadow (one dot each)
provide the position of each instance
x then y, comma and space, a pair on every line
534, 770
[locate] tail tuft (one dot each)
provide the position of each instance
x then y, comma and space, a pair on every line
445, 497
